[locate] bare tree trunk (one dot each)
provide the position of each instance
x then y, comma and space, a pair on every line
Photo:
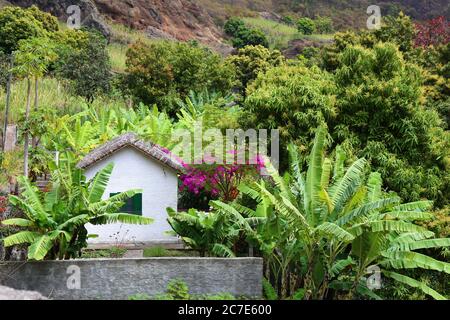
26, 136
8, 99
36, 103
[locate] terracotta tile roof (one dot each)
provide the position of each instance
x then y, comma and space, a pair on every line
130, 140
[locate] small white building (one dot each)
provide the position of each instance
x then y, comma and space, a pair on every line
137, 165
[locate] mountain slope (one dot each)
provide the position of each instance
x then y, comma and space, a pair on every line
345, 13
179, 19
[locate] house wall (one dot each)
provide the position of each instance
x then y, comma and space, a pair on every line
134, 170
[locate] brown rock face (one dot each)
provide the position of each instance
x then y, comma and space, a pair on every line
178, 19
181, 19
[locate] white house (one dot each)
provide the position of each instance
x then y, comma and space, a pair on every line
137, 165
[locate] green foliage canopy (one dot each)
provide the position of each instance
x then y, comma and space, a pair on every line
85, 63
242, 36
17, 24
382, 117
163, 72
306, 25
252, 60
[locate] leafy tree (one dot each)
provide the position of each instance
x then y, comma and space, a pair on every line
293, 99
381, 117
4, 69
330, 54
433, 32
399, 30
244, 36
233, 26
32, 60
306, 25
49, 22
55, 221
162, 73
17, 24
253, 60
70, 39
324, 25
436, 78
250, 37
87, 67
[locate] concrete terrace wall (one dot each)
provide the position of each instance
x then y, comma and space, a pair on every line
117, 279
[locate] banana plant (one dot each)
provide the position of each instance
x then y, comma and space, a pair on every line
312, 220
212, 233
55, 221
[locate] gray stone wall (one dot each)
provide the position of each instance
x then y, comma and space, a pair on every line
116, 279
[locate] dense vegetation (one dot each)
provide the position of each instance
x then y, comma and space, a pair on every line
364, 179
345, 14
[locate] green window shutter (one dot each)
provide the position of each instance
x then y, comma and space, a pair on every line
137, 204
132, 205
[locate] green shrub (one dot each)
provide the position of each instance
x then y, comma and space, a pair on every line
250, 61
17, 24
241, 35
233, 25
250, 37
306, 26
178, 290
323, 25
293, 99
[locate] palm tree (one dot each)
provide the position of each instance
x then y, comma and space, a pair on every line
55, 221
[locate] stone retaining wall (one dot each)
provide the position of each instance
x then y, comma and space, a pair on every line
116, 279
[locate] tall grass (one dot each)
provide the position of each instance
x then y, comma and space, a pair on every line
124, 35
279, 34
54, 95
117, 53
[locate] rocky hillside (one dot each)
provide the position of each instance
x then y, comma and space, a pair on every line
179, 19
202, 19
345, 13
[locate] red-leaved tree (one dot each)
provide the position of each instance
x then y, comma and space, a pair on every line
433, 32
